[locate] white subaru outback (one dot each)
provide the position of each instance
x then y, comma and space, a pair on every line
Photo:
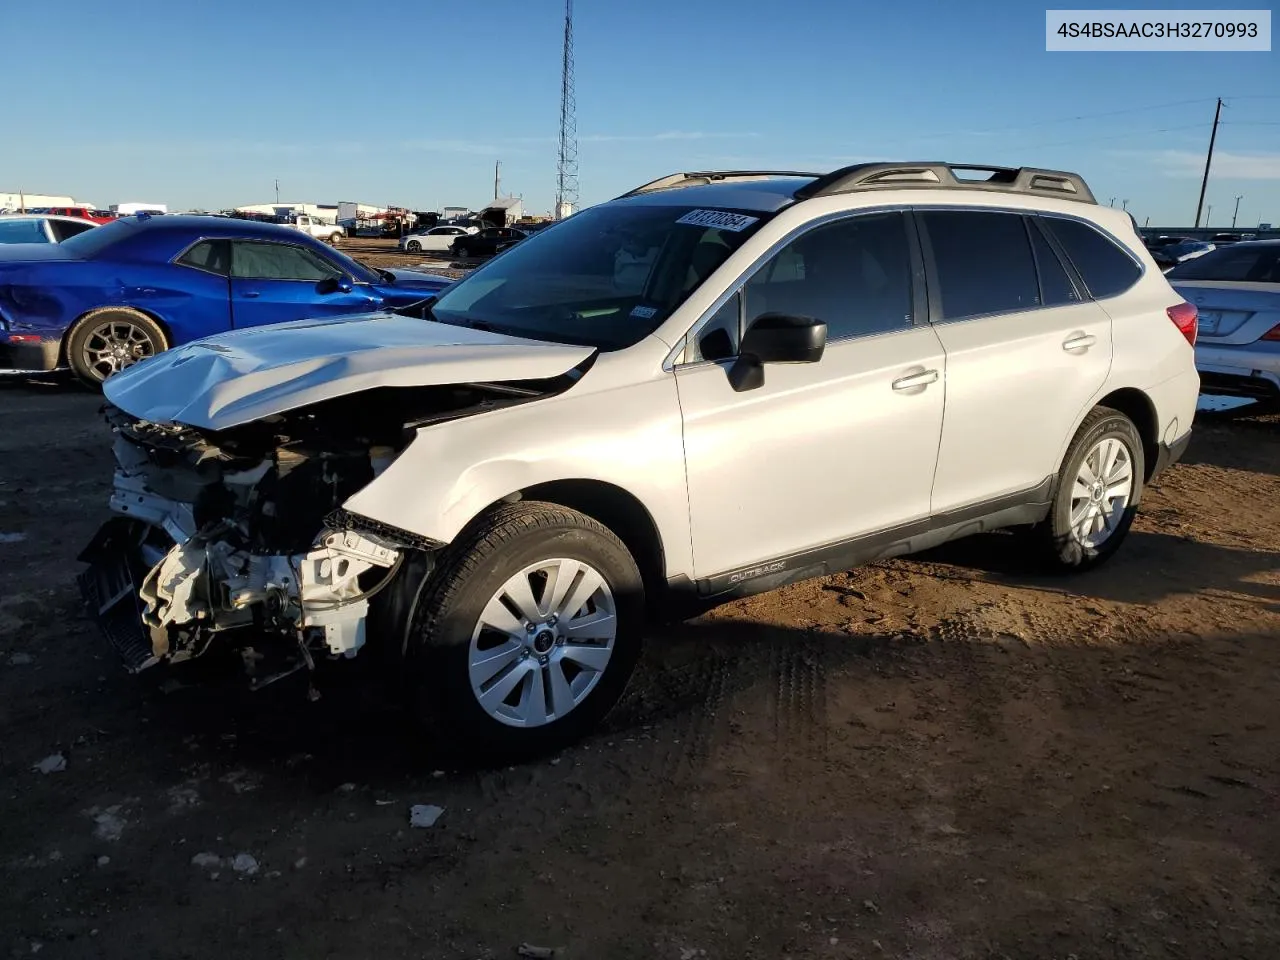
713, 385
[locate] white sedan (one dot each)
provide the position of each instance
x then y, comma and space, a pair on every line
40, 228
437, 238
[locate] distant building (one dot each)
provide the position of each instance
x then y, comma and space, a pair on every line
503, 211
19, 201
328, 212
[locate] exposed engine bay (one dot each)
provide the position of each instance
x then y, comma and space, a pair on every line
239, 536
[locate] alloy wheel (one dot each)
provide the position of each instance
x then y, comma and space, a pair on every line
1101, 492
114, 345
542, 642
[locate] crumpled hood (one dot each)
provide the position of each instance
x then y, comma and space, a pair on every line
234, 378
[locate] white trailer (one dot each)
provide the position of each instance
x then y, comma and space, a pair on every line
129, 209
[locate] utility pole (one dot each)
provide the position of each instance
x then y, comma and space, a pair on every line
1124, 205
1237, 211
496, 179
1146, 223
277, 191
1111, 202
1217, 115
1207, 214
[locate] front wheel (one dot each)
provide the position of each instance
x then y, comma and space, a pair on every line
106, 341
1097, 493
413, 246
527, 634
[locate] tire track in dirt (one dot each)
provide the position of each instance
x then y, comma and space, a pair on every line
696, 730
799, 701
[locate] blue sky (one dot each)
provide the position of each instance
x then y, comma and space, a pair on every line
205, 105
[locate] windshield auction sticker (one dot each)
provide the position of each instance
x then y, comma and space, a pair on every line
720, 219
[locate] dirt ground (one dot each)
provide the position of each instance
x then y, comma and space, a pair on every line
387, 254
942, 757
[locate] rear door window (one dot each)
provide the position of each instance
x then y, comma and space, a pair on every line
212, 256
1105, 268
66, 229
982, 261
1056, 286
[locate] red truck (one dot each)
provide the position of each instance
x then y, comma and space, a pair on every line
97, 216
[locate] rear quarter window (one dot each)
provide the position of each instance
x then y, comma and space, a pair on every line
1105, 268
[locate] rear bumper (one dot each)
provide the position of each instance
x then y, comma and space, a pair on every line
1170, 453
1251, 371
28, 356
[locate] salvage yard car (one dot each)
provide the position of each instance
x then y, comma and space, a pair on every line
41, 228
491, 497
1236, 291
118, 293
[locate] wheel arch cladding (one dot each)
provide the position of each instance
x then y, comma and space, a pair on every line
159, 321
1137, 406
616, 509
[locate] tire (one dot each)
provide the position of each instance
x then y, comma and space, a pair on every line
450, 636
413, 246
334, 238
461, 251
1109, 434
92, 345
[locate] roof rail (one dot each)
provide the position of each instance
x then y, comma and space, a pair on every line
676, 180
937, 175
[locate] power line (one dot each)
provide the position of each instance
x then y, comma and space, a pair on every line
1088, 116
1128, 134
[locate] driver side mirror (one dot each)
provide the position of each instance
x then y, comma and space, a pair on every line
776, 338
339, 284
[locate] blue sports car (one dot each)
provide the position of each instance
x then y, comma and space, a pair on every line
104, 299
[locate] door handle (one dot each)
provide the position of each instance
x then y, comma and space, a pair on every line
922, 379
250, 294
1079, 341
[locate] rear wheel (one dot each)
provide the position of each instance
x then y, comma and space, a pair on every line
334, 238
527, 634
106, 341
1097, 494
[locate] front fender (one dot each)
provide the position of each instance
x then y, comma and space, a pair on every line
628, 437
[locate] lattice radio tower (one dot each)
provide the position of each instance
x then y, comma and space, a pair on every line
567, 163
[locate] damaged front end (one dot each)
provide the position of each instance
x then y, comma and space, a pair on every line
238, 537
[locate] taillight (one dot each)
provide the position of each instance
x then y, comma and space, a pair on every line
1184, 316
1273, 334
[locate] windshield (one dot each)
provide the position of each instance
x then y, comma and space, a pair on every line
354, 268
1259, 264
22, 231
607, 277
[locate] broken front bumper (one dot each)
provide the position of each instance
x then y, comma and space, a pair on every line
109, 585
160, 597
